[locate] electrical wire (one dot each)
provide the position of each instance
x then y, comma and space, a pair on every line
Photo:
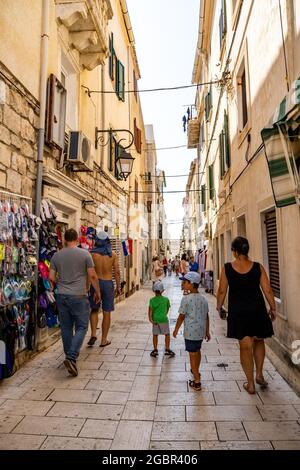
165, 148
181, 87
170, 176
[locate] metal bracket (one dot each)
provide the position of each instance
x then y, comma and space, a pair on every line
111, 132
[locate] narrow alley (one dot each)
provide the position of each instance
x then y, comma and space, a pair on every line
125, 399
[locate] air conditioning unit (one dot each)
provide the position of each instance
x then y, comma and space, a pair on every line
80, 154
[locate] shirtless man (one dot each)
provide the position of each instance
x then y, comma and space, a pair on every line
105, 261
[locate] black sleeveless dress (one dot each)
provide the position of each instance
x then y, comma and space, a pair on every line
247, 313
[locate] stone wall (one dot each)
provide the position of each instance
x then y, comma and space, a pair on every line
18, 137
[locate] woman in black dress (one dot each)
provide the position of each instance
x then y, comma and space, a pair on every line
248, 319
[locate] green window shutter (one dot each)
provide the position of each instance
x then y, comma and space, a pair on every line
111, 152
221, 154
211, 181
203, 197
227, 142
111, 56
120, 81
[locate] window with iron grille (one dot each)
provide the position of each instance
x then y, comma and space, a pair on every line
273, 258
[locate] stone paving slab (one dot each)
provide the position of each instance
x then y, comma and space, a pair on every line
99, 429
75, 443
236, 445
20, 442
133, 435
86, 410
74, 396
25, 407
8, 423
45, 425
174, 445
222, 413
182, 431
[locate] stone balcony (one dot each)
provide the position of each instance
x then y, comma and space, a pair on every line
193, 133
86, 22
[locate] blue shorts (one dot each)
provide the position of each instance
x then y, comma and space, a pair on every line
193, 346
107, 291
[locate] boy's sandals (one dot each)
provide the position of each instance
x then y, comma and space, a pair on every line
154, 353
246, 387
170, 353
195, 385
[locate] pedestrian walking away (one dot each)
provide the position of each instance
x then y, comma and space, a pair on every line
72, 267
158, 315
106, 264
193, 312
248, 319
157, 270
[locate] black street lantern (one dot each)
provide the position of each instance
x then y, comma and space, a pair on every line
124, 164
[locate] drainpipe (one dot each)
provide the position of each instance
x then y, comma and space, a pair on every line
102, 112
43, 92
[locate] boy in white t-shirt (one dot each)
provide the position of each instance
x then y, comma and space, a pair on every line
193, 311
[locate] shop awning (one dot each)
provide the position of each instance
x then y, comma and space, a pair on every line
282, 148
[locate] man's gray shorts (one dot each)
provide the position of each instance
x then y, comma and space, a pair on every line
161, 329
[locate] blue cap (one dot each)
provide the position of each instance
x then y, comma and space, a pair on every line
158, 286
192, 277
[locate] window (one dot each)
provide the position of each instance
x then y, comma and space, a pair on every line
201, 136
211, 181
272, 246
241, 226
137, 137
116, 70
222, 22
55, 112
224, 147
242, 97
208, 104
203, 197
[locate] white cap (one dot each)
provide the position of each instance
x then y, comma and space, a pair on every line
102, 235
158, 286
192, 277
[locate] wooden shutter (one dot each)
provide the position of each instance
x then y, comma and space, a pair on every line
221, 154
136, 194
272, 243
211, 181
120, 84
137, 137
226, 141
203, 197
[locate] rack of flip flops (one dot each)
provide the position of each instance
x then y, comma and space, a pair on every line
50, 241
18, 261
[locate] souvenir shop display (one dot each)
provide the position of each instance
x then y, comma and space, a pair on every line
50, 238
18, 261
87, 237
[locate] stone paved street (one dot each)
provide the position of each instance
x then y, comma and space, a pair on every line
124, 399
